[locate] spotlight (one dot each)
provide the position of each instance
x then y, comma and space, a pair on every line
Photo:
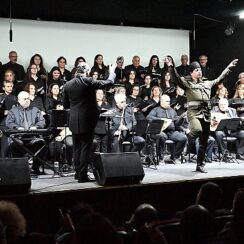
230, 29
241, 14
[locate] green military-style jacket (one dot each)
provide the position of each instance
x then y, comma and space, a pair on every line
198, 94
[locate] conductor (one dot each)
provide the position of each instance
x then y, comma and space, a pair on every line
80, 97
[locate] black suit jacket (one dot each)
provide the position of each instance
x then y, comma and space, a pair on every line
80, 97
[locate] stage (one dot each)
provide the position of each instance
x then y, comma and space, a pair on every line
164, 174
170, 188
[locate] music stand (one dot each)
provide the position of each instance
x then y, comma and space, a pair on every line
60, 119
226, 125
154, 128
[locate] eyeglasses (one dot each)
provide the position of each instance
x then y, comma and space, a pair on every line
25, 98
13, 56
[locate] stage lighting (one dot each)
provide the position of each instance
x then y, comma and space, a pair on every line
241, 14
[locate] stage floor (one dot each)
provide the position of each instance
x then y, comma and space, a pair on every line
165, 174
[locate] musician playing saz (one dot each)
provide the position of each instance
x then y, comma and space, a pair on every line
180, 139
24, 117
121, 125
227, 112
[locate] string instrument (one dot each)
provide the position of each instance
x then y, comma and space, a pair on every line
216, 117
167, 121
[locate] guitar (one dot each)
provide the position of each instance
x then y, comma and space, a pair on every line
216, 117
167, 121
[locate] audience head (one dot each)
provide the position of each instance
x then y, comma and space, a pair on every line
144, 213
196, 226
30, 88
95, 228
147, 79
61, 61
13, 57
179, 91
241, 78
53, 90
37, 60
135, 90
239, 91
98, 60
9, 75
132, 75
222, 92
100, 95
184, 59
120, 90
238, 216
156, 91
136, 61
120, 61
120, 100
78, 211
94, 74
24, 99
12, 221
8, 86
165, 101
223, 104
79, 60
203, 59
209, 196
195, 70
55, 73
154, 61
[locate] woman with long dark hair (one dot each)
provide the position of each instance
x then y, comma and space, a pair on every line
99, 66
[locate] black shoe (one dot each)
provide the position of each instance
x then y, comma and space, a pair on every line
239, 156
76, 176
36, 171
85, 179
201, 169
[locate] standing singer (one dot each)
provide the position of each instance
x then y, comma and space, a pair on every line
80, 97
198, 110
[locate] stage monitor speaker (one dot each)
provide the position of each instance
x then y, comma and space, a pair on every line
14, 175
118, 168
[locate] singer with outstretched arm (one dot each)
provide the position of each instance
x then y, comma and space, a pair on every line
80, 97
198, 92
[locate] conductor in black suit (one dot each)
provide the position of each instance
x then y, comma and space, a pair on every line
80, 97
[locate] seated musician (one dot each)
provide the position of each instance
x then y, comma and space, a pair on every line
224, 112
23, 118
237, 101
171, 118
122, 124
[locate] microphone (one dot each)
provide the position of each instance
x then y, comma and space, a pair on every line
10, 35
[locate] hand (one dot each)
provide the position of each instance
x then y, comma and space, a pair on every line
117, 133
123, 127
112, 68
166, 60
59, 107
232, 63
33, 128
5, 112
20, 128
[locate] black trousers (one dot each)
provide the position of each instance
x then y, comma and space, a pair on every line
82, 152
199, 128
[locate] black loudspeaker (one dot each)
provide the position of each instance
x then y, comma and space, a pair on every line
118, 168
14, 175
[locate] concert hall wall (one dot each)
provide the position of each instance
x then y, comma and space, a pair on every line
221, 49
54, 39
